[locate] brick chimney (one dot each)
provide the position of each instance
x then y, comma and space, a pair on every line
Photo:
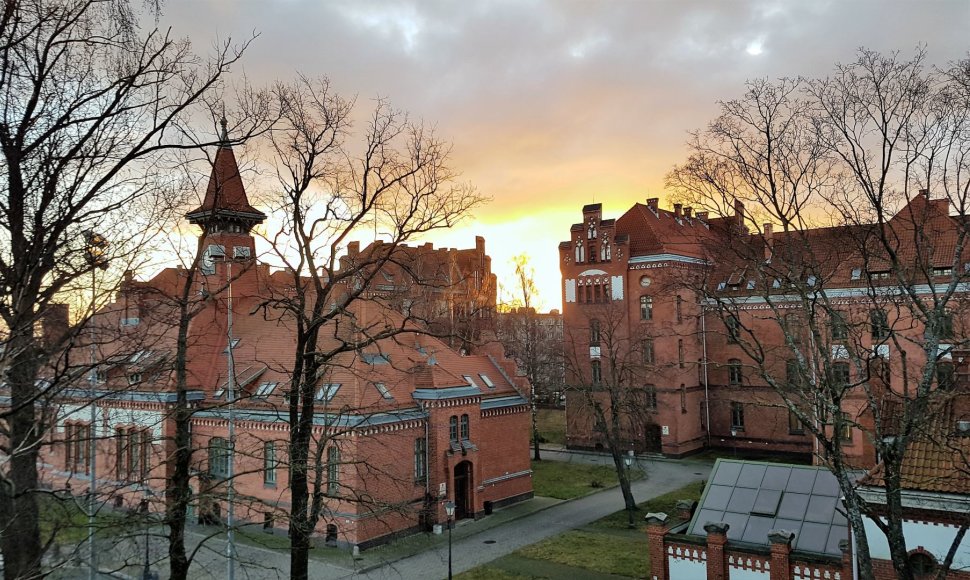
656, 529
739, 210
353, 248
769, 240
687, 211
677, 208
653, 203
717, 565
780, 553
702, 215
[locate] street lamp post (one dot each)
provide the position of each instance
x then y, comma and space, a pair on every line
147, 572
450, 511
95, 254
230, 399
628, 462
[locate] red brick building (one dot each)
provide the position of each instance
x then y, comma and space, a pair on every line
672, 306
401, 425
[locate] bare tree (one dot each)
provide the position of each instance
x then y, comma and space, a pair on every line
90, 105
610, 393
395, 182
863, 171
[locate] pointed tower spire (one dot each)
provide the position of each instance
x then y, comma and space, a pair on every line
226, 206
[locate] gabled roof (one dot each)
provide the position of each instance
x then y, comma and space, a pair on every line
658, 231
755, 498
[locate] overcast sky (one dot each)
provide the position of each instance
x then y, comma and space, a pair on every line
552, 105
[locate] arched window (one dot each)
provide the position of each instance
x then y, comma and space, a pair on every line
333, 469
464, 428
945, 376
596, 373
646, 307
579, 252
735, 374
218, 458
880, 325
840, 374
453, 428
733, 328
922, 564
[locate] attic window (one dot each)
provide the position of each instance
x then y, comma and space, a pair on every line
134, 378
470, 380
488, 382
945, 271
218, 393
266, 389
721, 286
382, 389
734, 286
776, 284
235, 343
750, 284
138, 356
376, 358
327, 392
880, 275
811, 280
856, 273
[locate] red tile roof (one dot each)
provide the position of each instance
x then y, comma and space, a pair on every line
225, 191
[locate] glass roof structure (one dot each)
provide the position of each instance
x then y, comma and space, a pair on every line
755, 498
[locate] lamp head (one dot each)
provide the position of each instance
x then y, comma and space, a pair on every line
450, 508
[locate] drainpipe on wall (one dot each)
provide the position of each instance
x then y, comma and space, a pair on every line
707, 401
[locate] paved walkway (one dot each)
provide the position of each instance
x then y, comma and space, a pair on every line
475, 542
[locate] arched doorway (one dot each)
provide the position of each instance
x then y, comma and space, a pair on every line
463, 490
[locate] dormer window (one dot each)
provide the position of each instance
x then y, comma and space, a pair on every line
488, 382
266, 389
879, 275
134, 378
382, 389
327, 392
945, 271
470, 380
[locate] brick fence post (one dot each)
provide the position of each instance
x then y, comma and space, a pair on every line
780, 554
717, 566
656, 529
846, 547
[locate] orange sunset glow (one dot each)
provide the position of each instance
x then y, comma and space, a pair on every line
552, 105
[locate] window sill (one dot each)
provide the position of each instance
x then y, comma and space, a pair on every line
737, 429
269, 485
796, 431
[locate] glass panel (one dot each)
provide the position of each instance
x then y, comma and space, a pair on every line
742, 500
717, 497
801, 480
826, 484
767, 502
776, 477
751, 476
820, 509
727, 473
793, 506
813, 537
836, 534
757, 530
737, 522
703, 517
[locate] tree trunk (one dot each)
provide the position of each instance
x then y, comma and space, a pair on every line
535, 427
21, 547
299, 525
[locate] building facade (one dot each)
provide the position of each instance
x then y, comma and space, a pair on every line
702, 322
400, 426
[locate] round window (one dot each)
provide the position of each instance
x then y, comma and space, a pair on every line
922, 564
645, 281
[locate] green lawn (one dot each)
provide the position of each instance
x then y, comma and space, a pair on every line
568, 480
599, 552
606, 546
551, 424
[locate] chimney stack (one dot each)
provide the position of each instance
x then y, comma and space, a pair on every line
677, 208
739, 210
702, 215
353, 248
687, 211
925, 193
653, 203
769, 240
